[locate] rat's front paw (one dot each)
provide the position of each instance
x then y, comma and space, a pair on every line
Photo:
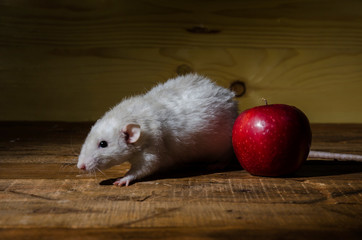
123, 181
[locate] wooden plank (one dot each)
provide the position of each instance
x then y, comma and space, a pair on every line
158, 24
73, 61
177, 233
77, 88
342, 138
50, 142
43, 198
250, 203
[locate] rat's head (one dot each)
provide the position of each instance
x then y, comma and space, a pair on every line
108, 144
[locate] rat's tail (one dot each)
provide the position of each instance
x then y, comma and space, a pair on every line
336, 156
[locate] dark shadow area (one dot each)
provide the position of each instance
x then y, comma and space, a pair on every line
312, 168
320, 168
184, 171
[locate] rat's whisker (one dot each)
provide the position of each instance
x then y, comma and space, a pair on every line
102, 172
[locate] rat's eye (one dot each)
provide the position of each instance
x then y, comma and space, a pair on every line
103, 144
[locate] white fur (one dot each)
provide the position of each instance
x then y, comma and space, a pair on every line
187, 118
337, 156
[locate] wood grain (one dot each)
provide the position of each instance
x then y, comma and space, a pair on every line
71, 61
43, 195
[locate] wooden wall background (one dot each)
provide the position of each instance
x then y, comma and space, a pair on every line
68, 60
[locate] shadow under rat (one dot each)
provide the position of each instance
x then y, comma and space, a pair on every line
310, 169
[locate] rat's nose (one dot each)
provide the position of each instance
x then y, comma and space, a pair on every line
82, 166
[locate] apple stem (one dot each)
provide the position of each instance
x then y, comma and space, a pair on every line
266, 101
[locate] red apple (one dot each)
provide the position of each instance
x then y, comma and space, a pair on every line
272, 140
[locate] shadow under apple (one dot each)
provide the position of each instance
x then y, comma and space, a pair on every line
322, 168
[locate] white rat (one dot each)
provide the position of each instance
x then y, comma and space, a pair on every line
185, 119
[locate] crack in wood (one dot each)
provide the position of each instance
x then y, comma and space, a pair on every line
123, 198
311, 201
343, 213
58, 210
152, 216
346, 193
32, 195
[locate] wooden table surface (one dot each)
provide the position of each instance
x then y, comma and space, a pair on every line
43, 195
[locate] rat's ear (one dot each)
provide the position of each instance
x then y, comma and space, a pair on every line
132, 132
